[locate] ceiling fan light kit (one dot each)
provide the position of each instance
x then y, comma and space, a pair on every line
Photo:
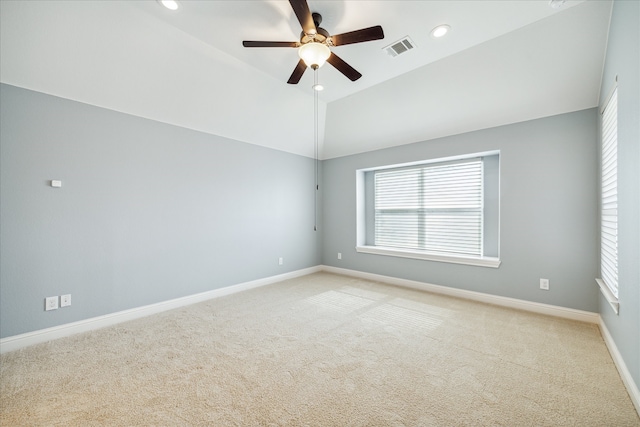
314, 47
314, 54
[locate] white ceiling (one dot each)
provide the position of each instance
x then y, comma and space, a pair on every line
503, 62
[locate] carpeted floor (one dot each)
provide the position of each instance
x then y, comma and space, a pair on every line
322, 350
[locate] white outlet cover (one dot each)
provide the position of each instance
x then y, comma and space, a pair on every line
51, 303
65, 300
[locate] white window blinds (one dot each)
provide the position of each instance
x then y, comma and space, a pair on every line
609, 194
433, 208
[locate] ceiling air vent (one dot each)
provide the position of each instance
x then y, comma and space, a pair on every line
401, 46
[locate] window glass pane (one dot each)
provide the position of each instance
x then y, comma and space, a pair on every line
398, 229
435, 208
398, 189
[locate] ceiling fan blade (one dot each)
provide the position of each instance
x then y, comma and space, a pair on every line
343, 67
297, 73
269, 44
301, 9
358, 36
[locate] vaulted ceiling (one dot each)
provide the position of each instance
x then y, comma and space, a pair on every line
502, 62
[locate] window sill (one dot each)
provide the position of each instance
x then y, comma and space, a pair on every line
478, 262
611, 299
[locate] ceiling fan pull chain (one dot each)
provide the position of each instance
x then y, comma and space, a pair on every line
315, 146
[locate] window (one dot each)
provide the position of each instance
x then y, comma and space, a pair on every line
609, 201
430, 208
443, 210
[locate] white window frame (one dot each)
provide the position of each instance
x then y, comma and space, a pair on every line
608, 282
363, 247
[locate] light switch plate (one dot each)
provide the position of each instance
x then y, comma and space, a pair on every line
544, 284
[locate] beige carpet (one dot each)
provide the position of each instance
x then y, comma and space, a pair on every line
322, 350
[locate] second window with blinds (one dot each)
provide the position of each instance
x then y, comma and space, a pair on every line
441, 210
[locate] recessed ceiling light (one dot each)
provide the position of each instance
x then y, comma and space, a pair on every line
556, 4
317, 87
440, 31
170, 4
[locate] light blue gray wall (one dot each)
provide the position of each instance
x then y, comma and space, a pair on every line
623, 60
147, 211
548, 211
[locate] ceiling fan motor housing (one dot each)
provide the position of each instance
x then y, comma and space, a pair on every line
321, 35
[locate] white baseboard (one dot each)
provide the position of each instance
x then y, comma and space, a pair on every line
627, 379
17, 342
535, 307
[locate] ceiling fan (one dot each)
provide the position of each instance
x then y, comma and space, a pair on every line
314, 44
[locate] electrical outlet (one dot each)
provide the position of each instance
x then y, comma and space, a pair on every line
65, 300
339, 255
544, 284
280, 261
51, 303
